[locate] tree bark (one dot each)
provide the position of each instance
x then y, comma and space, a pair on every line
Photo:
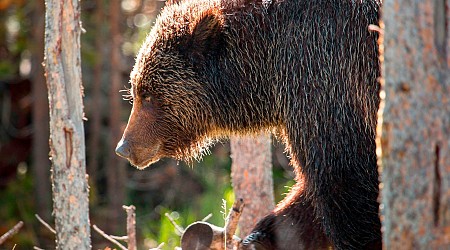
41, 163
413, 143
251, 173
116, 171
67, 150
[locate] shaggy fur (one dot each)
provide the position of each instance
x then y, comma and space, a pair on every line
305, 69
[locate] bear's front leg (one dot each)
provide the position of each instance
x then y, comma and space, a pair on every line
292, 226
343, 183
349, 209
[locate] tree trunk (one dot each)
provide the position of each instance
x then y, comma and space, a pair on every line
414, 120
251, 173
41, 163
116, 169
67, 150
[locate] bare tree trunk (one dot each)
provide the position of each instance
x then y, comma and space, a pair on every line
116, 170
63, 72
414, 121
41, 163
251, 172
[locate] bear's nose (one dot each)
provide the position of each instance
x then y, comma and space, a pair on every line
123, 149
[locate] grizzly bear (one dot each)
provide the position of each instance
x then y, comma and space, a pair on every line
306, 70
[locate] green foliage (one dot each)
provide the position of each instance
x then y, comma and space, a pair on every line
213, 173
167, 232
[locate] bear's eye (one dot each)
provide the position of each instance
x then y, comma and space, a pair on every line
146, 97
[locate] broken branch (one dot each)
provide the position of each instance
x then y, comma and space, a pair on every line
159, 247
109, 238
178, 228
11, 232
207, 217
131, 226
45, 224
231, 222
122, 238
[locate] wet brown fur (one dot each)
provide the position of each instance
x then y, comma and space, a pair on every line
305, 69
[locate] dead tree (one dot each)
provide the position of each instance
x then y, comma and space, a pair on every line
251, 173
413, 144
67, 150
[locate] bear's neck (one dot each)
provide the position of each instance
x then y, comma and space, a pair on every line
242, 79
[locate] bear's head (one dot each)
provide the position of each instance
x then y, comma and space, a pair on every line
171, 115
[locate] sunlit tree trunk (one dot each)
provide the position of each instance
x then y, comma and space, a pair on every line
251, 173
414, 125
67, 150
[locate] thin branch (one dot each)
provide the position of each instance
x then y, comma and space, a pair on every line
45, 224
159, 247
207, 217
123, 238
37, 248
11, 232
108, 237
178, 228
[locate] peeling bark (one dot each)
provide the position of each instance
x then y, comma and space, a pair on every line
67, 150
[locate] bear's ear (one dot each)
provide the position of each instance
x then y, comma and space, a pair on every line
206, 38
172, 2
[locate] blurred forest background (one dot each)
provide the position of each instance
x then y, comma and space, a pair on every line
114, 31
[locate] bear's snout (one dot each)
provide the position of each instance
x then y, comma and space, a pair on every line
123, 149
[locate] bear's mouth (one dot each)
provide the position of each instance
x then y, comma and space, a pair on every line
144, 157
143, 163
